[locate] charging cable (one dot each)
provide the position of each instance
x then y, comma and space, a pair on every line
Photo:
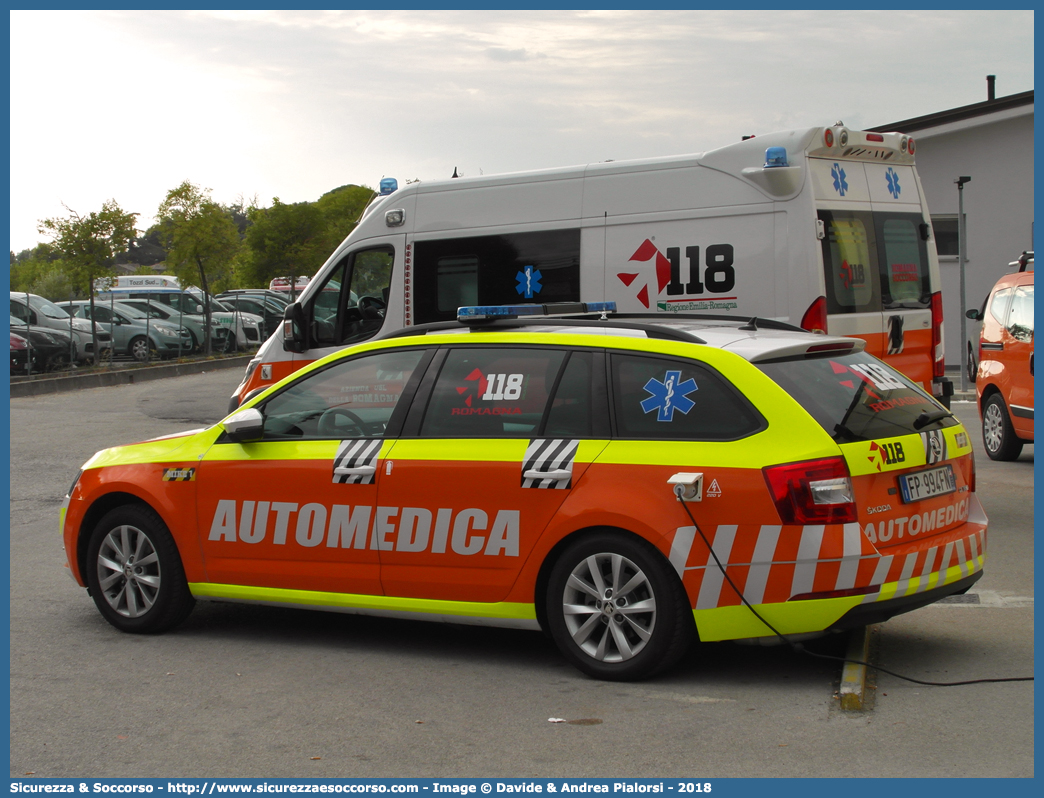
680, 493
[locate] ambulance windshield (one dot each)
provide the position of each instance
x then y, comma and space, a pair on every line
857, 397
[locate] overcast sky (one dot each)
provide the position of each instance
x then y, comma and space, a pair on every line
290, 104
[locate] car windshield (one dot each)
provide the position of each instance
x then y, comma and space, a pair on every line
857, 397
46, 307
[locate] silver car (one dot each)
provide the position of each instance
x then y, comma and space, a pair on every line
35, 311
194, 323
133, 332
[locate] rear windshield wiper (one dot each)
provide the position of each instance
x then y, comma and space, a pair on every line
927, 418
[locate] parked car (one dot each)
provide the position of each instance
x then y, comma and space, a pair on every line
628, 485
21, 354
281, 298
1004, 380
36, 311
247, 327
133, 332
269, 310
51, 349
195, 324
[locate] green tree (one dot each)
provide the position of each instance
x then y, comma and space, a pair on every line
201, 240
88, 246
342, 208
284, 241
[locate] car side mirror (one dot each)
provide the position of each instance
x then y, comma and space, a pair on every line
294, 328
245, 426
973, 314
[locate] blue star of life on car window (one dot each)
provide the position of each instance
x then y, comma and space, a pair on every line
840, 181
669, 395
528, 282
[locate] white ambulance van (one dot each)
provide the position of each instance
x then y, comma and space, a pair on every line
825, 227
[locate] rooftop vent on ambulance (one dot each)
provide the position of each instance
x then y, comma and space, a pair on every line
389, 185
776, 156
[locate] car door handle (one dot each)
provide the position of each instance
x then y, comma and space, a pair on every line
359, 471
559, 475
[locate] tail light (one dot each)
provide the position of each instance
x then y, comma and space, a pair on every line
938, 355
971, 474
815, 318
812, 492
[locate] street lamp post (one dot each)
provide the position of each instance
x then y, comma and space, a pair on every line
962, 257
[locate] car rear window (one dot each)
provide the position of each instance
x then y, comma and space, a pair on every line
856, 397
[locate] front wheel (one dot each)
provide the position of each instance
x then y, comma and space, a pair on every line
141, 349
998, 435
616, 610
134, 572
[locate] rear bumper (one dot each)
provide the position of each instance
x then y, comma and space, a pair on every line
880, 611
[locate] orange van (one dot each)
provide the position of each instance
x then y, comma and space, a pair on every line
1004, 381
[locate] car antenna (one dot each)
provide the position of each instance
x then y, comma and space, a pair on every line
751, 325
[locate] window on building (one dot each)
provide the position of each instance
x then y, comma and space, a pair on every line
945, 231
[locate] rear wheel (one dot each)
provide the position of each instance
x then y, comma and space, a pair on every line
616, 610
134, 572
998, 435
973, 367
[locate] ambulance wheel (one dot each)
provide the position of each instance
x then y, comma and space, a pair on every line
616, 610
134, 572
998, 435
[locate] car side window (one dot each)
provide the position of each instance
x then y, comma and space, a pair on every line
1020, 316
19, 310
491, 392
102, 314
999, 304
580, 406
660, 398
352, 399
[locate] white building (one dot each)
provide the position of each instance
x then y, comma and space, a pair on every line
992, 143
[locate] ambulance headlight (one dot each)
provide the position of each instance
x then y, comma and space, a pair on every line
395, 218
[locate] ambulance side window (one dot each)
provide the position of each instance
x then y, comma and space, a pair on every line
351, 303
659, 398
351, 399
534, 266
491, 392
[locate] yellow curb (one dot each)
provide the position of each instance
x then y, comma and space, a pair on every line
853, 677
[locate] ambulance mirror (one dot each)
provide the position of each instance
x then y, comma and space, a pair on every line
293, 328
245, 426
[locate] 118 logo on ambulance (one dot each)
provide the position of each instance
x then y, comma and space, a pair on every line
718, 275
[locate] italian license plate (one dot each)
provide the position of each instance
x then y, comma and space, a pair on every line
926, 484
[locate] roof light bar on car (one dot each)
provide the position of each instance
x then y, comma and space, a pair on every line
485, 312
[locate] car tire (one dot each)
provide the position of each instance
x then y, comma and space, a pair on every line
141, 349
614, 635
998, 435
58, 361
134, 572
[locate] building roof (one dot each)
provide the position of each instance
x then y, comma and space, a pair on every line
970, 114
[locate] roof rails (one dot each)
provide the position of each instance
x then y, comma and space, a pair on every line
586, 314
1024, 260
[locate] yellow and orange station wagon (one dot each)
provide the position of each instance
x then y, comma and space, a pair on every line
627, 484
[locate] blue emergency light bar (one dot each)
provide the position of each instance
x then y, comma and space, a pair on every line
488, 312
389, 185
775, 156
